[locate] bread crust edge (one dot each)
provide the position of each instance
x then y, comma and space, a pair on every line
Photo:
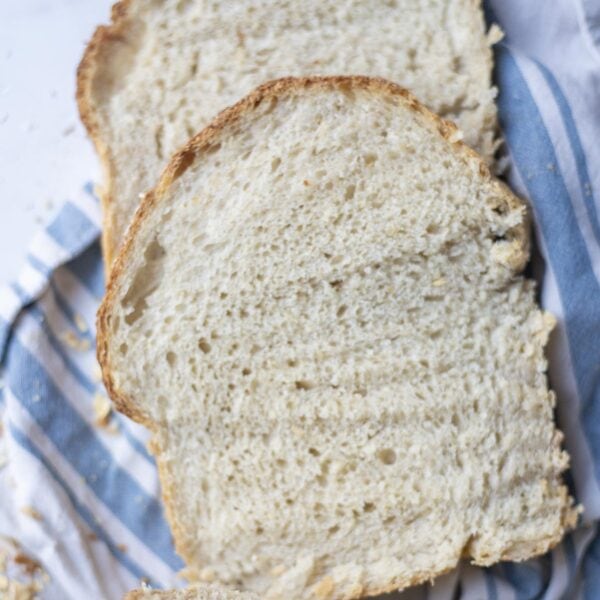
88, 69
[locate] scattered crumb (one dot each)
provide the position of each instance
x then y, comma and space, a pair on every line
439, 282
122, 548
495, 35
75, 342
92, 537
306, 182
28, 564
80, 323
11, 541
16, 590
97, 373
102, 410
68, 130
21, 577
31, 512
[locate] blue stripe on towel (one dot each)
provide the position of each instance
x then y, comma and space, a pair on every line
81, 447
72, 229
576, 147
90, 520
579, 290
89, 269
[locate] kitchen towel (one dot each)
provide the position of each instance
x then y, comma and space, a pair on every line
78, 490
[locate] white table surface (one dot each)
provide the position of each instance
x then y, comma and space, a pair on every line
45, 155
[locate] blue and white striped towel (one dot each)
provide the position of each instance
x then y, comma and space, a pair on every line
96, 490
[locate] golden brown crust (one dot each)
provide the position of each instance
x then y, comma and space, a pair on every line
87, 71
185, 157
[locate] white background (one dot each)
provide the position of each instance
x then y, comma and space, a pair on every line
45, 156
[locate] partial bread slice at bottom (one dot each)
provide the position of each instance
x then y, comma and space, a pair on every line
195, 592
319, 314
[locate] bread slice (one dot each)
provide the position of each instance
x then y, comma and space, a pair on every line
195, 592
162, 70
319, 314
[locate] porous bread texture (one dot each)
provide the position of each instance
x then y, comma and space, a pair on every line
163, 69
319, 314
195, 592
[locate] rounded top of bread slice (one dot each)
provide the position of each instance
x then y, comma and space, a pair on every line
319, 314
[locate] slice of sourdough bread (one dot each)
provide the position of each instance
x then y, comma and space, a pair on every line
194, 592
319, 314
163, 69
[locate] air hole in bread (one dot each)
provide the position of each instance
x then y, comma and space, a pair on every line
458, 64
204, 345
303, 384
171, 358
387, 456
145, 282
